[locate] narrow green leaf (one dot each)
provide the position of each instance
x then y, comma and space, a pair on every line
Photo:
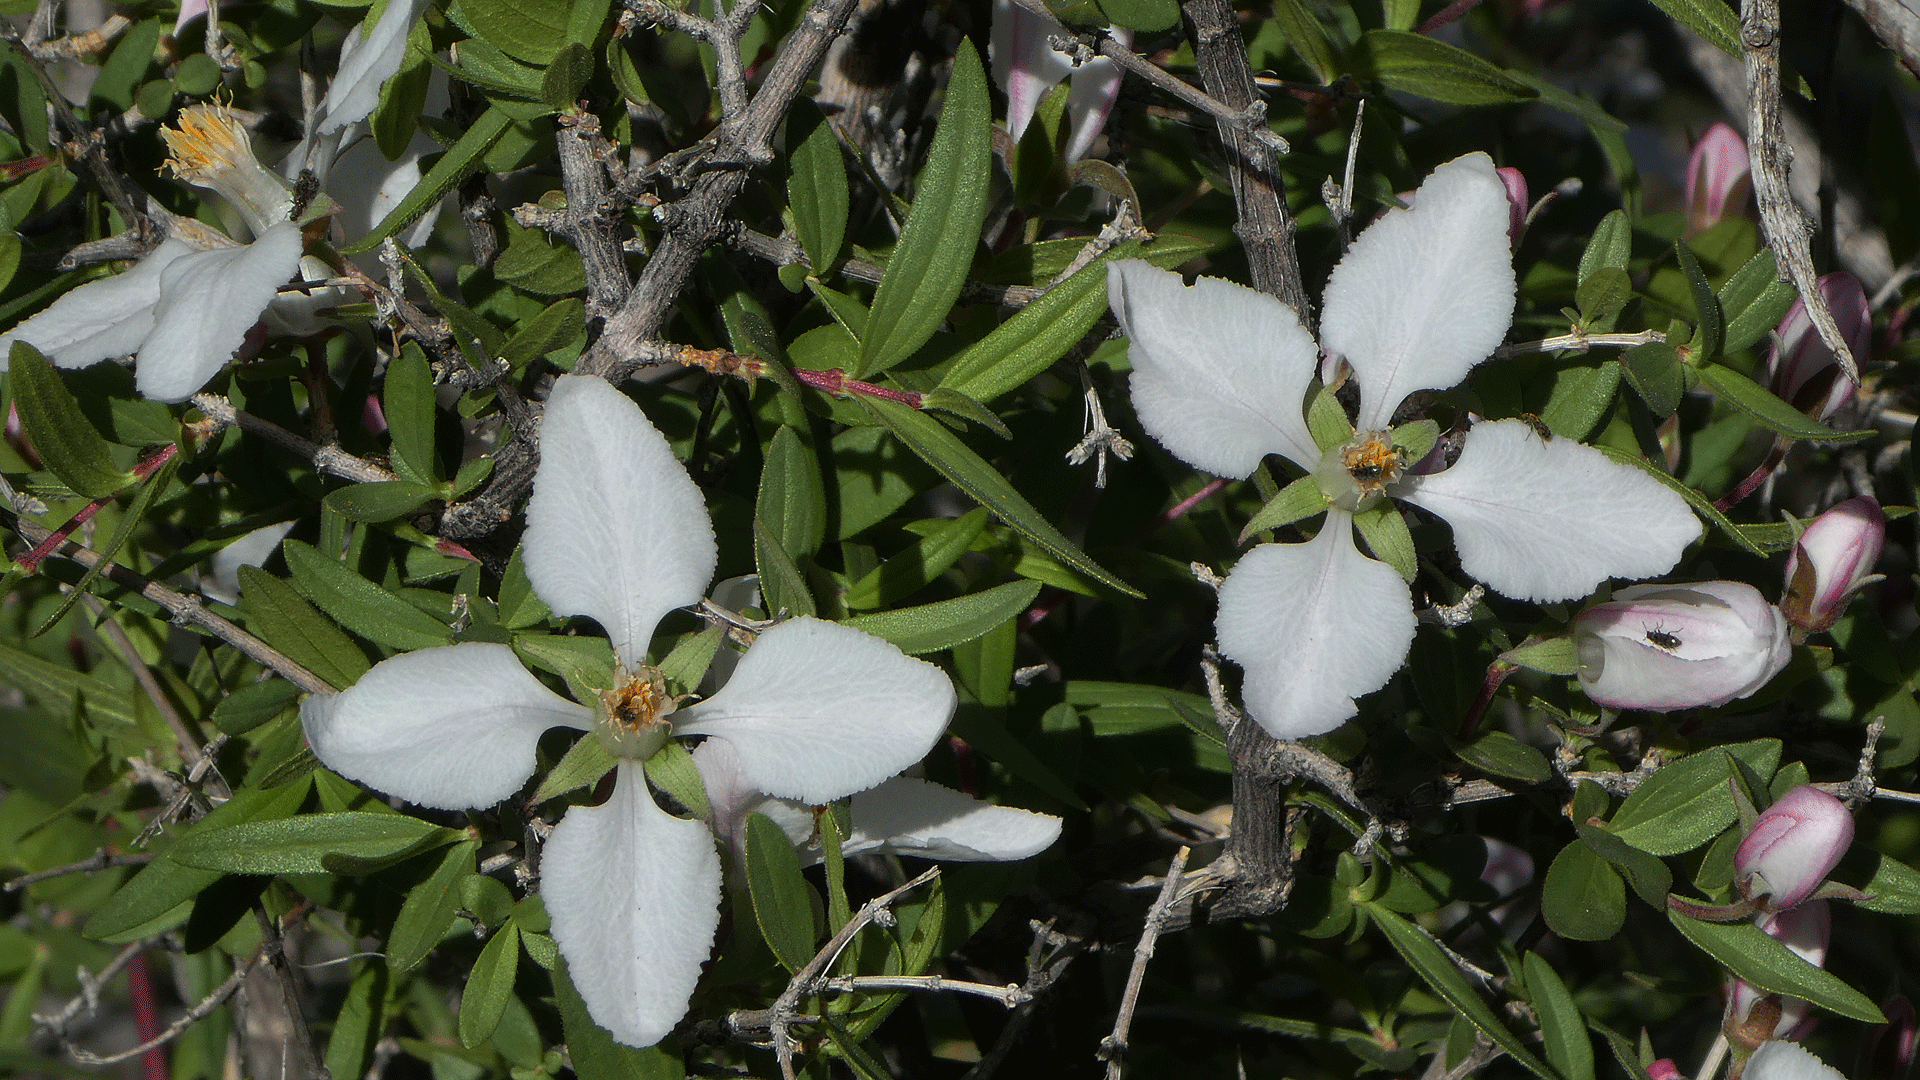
150, 489
1768, 411
988, 734
1754, 301
1687, 803
584, 764
1031, 341
558, 324
1583, 899
287, 622
360, 605
446, 174
816, 185
311, 843
922, 561
358, 1023
409, 405
1419, 65
1297, 501
1582, 394
252, 705
382, 500
1438, 972
70, 445
671, 769
781, 902
781, 580
1554, 655
943, 450
1894, 888
490, 985
930, 262
1711, 19
566, 77
1649, 876
1562, 1028
429, 909
1500, 754
792, 502
1654, 369
1308, 38
932, 627
1610, 246
62, 689
1387, 536
689, 660
1713, 323
1749, 953
1603, 293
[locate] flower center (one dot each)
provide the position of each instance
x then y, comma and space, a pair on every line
633, 715
211, 149
1355, 474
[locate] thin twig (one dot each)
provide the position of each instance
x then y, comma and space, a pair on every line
1009, 995
92, 864
1047, 960
188, 738
327, 458
200, 1011
1579, 342
1113, 1048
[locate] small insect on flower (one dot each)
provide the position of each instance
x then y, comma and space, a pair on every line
304, 189
1538, 425
1373, 461
1663, 639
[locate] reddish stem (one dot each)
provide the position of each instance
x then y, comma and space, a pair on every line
14, 170
1497, 673
141, 470
146, 1019
835, 381
1754, 479
1446, 15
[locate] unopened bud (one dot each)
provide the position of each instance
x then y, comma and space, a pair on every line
1833, 560
1666, 647
1791, 848
1802, 370
1717, 178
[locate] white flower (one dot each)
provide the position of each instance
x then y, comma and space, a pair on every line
617, 531
1666, 647
1788, 1061
368, 58
1220, 377
184, 311
1027, 66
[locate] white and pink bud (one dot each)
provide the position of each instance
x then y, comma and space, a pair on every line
1664, 1069
1791, 849
1806, 930
1833, 560
1802, 370
1666, 647
1026, 66
1718, 181
1517, 205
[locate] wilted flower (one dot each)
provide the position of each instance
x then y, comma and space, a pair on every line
1791, 848
1788, 1061
1833, 560
1220, 375
183, 311
1026, 66
1665, 647
1717, 178
617, 531
1801, 369
1806, 930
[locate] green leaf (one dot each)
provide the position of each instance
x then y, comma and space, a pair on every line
353, 841
1326, 418
594, 1054
252, 705
1308, 38
429, 909
1649, 876
278, 615
781, 580
519, 608
1768, 411
1144, 15
358, 604
382, 500
1562, 1029
940, 448
923, 560
462, 158
671, 769
1425, 957
816, 185
358, 1023
1582, 394
1603, 293
932, 627
1419, 65
1610, 246
929, 264
1500, 754
403, 100
1713, 323
532, 30
584, 764
566, 77
1747, 951
160, 480
691, 657
1031, 341
1387, 536
1296, 502
70, 445
532, 261
557, 325
1895, 888
1711, 19
490, 985
1554, 655
409, 405
793, 502
1686, 803
782, 904
1654, 369
1584, 899
63, 689
1754, 301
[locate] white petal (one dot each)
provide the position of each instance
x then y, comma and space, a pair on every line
99, 320
817, 711
634, 894
1024, 64
731, 795
222, 579
1424, 294
616, 529
1776, 1060
1092, 90
451, 727
1220, 372
1314, 626
905, 816
208, 302
1549, 520
368, 58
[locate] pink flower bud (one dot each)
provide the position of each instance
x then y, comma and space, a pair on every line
1806, 930
1802, 370
1665, 647
1717, 180
1792, 848
1517, 203
1664, 1069
1833, 559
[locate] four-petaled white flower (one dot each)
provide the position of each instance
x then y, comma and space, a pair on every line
617, 531
1220, 378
